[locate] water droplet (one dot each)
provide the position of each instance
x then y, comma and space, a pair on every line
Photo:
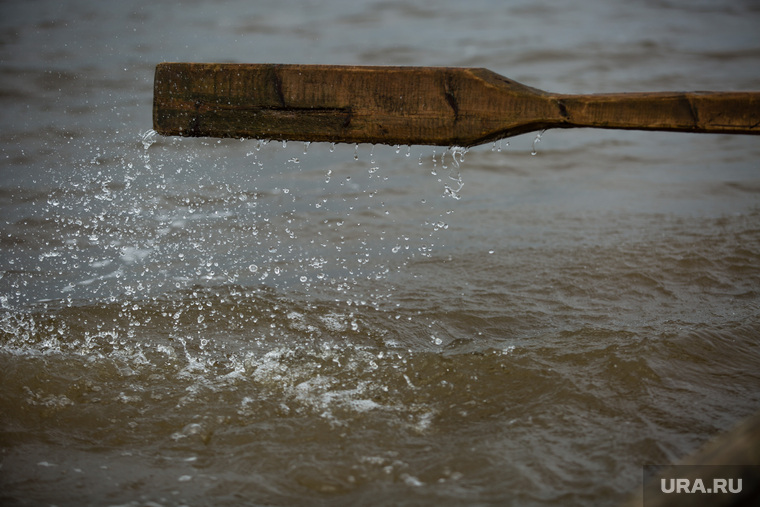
294, 160
458, 151
253, 268
284, 143
356, 152
306, 147
332, 147
148, 138
408, 150
373, 170
536, 141
451, 192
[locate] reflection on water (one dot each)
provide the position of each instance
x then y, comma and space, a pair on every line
203, 321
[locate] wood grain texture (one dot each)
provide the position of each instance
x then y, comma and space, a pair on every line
446, 106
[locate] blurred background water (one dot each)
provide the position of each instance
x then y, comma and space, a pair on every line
224, 322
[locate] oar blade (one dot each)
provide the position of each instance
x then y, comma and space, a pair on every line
388, 105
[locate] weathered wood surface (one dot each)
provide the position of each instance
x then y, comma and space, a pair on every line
446, 106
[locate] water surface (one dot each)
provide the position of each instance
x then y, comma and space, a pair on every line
225, 322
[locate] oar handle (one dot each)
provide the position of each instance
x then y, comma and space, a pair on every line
708, 112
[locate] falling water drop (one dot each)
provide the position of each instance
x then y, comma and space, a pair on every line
356, 151
284, 143
536, 141
332, 147
408, 150
148, 138
458, 151
306, 147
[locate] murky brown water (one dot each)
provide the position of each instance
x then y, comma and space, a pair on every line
203, 322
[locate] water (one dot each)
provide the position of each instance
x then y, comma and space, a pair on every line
223, 322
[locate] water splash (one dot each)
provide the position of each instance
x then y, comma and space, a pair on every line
151, 221
457, 157
148, 138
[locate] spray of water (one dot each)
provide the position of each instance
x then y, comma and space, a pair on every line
172, 213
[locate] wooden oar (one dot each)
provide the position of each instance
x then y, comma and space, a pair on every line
413, 105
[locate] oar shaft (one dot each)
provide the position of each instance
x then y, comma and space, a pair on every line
706, 112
